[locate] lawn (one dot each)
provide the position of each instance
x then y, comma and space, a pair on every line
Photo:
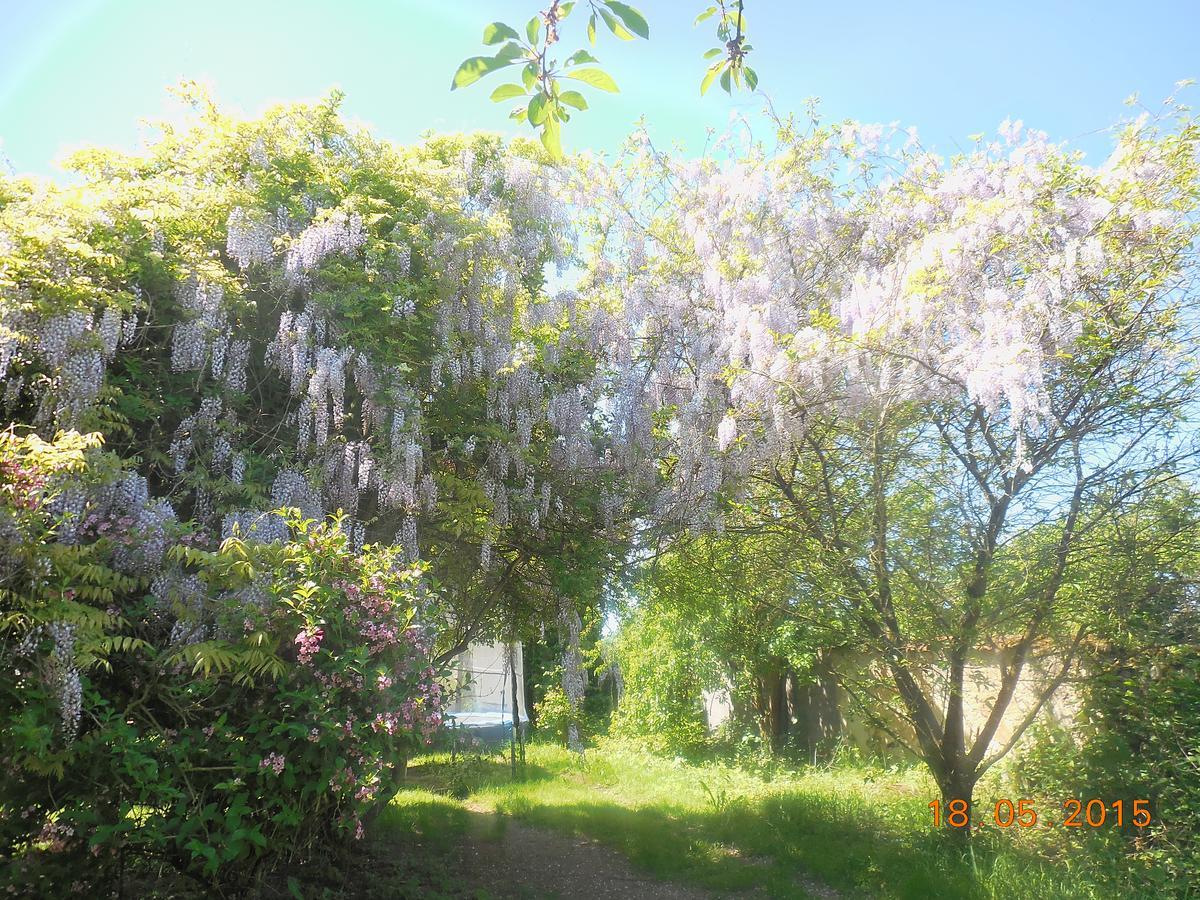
848, 831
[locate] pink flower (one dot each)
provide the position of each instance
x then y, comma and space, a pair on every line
55, 835
275, 761
308, 642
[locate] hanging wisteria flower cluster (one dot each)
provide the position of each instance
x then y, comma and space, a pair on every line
75, 346
574, 675
64, 676
847, 273
338, 233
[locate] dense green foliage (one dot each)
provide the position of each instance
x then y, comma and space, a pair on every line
271, 733
722, 613
255, 317
666, 665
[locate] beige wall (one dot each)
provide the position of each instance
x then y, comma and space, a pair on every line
981, 685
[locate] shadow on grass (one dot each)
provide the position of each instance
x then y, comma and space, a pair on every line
461, 850
464, 777
417, 850
410, 853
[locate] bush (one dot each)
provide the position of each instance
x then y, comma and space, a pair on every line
665, 667
1138, 740
553, 713
239, 708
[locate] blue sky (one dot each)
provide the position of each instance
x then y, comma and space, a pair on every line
74, 72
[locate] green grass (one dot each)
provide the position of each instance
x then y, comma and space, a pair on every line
862, 830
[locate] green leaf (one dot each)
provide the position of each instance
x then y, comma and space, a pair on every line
715, 51
591, 30
710, 76
573, 98
520, 114
614, 26
565, 10
475, 68
507, 92
497, 32
552, 139
631, 18
751, 78
725, 82
580, 56
537, 109
597, 78
707, 14
533, 29
529, 76
511, 52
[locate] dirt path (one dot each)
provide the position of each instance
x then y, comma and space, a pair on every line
510, 859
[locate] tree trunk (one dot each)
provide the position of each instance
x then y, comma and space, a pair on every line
529, 650
516, 719
518, 736
771, 705
956, 786
777, 707
762, 707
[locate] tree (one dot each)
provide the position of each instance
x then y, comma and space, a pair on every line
911, 362
285, 312
734, 607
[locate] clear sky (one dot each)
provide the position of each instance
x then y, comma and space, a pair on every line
89, 71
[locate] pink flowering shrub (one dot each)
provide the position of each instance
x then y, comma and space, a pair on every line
308, 642
225, 711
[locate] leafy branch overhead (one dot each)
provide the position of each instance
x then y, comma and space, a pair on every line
730, 59
546, 101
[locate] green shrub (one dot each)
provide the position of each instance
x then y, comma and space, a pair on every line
665, 669
242, 707
1139, 739
553, 713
